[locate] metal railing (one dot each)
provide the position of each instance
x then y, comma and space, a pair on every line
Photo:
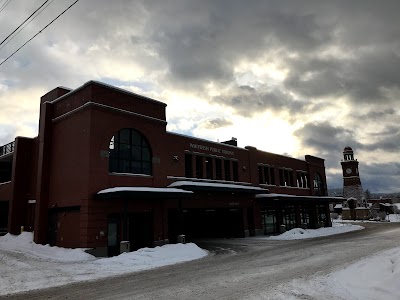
7, 148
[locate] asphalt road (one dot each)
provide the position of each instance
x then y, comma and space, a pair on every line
236, 268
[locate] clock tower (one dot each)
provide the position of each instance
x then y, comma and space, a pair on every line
352, 187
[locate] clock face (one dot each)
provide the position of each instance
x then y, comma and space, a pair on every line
348, 170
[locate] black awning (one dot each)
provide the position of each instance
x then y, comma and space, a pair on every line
142, 192
217, 187
285, 197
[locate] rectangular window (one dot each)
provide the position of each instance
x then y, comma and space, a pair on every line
266, 175
281, 178
218, 169
290, 179
304, 215
188, 165
299, 180
321, 215
209, 168
289, 217
268, 218
260, 174
227, 167
285, 177
199, 166
272, 176
302, 180
235, 170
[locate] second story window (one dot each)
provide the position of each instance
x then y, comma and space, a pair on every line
319, 187
266, 174
285, 177
130, 152
302, 179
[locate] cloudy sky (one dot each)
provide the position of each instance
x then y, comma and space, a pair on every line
289, 77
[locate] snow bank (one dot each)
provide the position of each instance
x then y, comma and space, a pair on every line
147, 258
27, 266
23, 243
298, 233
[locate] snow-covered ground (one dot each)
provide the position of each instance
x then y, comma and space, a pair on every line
25, 265
372, 278
375, 277
298, 233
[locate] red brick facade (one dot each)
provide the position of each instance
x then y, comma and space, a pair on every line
56, 178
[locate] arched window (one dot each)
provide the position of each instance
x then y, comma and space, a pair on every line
130, 152
319, 189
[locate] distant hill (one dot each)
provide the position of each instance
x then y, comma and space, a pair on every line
339, 192
335, 192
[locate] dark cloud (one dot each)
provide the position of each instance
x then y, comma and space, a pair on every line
380, 177
203, 41
325, 138
247, 100
390, 142
379, 114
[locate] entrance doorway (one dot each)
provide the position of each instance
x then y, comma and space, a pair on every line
138, 230
205, 223
269, 221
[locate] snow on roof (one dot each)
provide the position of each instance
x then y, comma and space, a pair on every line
338, 206
142, 189
216, 185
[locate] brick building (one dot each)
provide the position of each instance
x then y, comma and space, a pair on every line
104, 169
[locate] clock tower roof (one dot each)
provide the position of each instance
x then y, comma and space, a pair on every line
347, 149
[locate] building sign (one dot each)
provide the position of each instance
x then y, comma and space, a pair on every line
211, 149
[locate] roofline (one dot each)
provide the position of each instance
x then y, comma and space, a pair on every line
105, 85
282, 155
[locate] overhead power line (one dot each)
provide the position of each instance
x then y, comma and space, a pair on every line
24, 22
4, 5
38, 32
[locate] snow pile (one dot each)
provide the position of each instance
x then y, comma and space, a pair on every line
394, 217
27, 266
376, 277
147, 258
298, 233
23, 243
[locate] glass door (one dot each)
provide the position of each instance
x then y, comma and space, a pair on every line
113, 236
269, 221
